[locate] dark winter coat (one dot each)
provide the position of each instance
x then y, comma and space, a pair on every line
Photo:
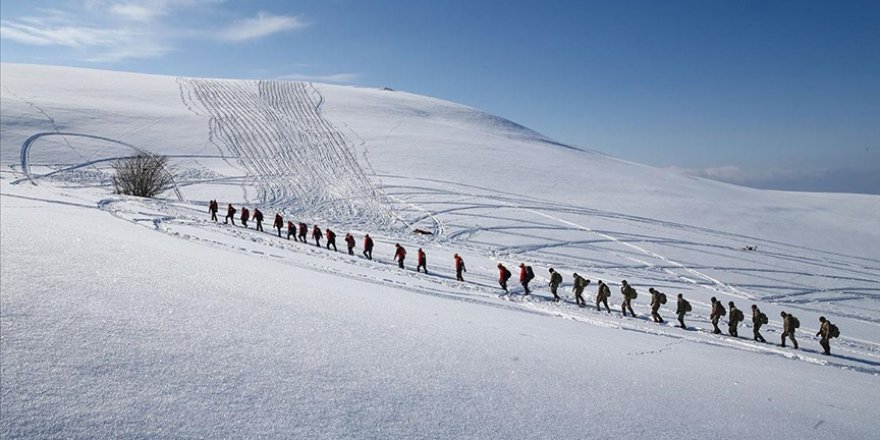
400, 254
368, 243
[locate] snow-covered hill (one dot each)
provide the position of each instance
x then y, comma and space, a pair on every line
124, 317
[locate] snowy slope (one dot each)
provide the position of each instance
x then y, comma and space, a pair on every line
126, 317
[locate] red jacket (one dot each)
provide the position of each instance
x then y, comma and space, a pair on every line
331, 236
368, 243
230, 211
400, 254
245, 214
349, 239
421, 256
316, 232
303, 229
501, 273
279, 222
458, 263
291, 228
523, 274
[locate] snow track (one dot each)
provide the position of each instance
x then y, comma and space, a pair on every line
300, 163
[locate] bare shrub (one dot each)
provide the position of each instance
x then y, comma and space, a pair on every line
142, 175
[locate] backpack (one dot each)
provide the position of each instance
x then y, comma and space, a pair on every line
507, 274
738, 316
687, 306
835, 332
721, 310
633, 294
762, 318
795, 323
530, 274
662, 298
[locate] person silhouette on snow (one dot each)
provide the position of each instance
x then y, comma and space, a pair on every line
555, 281
459, 267
230, 214
399, 254
258, 217
317, 235
580, 283
331, 239
525, 276
368, 247
349, 242
278, 224
602, 295
245, 216
422, 261
291, 230
681, 309
503, 276
213, 208
656, 297
303, 232
629, 294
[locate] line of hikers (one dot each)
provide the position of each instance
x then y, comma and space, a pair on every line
790, 323
827, 330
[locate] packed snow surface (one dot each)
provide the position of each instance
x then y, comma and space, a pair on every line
122, 317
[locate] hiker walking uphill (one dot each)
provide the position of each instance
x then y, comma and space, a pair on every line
602, 295
758, 319
258, 217
245, 216
349, 243
213, 208
303, 232
580, 283
368, 247
827, 330
291, 230
789, 325
733, 319
716, 314
555, 281
278, 224
503, 276
230, 214
459, 267
526, 274
422, 261
399, 254
317, 235
681, 308
657, 299
331, 239
629, 294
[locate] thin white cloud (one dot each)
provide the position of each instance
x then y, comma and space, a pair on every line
137, 12
264, 24
332, 78
70, 36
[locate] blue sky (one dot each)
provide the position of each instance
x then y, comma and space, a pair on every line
772, 94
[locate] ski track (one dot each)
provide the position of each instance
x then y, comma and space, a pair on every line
300, 162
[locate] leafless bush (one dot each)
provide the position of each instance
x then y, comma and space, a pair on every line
142, 175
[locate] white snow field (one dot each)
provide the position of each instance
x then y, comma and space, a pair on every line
122, 317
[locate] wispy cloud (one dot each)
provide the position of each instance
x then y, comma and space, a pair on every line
264, 24
113, 30
332, 78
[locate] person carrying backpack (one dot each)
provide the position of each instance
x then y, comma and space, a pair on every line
349, 242
399, 254
230, 214
368, 247
459, 267
629, 294
503, 276
555, 281
789, 325
716, 314
656, 301
331, 239
681, 308
278, 224
303, 232
258, 217
734, 317
580, 283
602, 295
245, 216
758, 319
827, 330
317, 235
291, 230
525, 276
213, 208
421, 261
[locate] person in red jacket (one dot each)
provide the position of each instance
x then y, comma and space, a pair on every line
459, 268
258, 217
303, 231
524, 277
230, 214
278, 224
245, 216
422, 261
368, 247
399, 254
331, 239
503, 276
291, 230
213, 208
349, 241
317, 235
